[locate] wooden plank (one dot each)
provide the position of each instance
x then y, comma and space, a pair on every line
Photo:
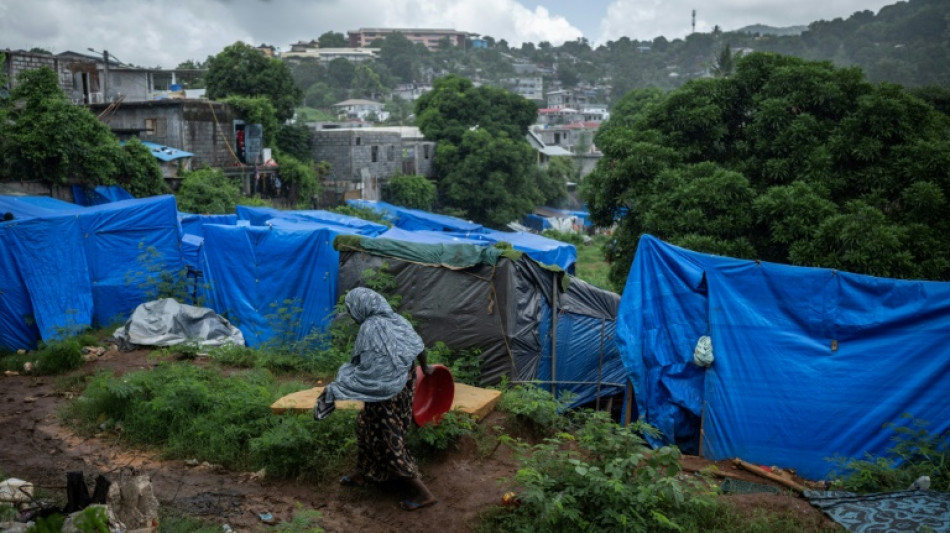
475, 401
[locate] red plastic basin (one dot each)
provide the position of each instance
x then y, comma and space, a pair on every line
432, 395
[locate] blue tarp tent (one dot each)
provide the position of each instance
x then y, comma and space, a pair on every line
102, 194
415, 219
194, 224
809, 363
64, 267
129, 245
430, 237
254, 271
539, 248
260, 216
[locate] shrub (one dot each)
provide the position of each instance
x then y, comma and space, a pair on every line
604, 479
432, 439
192, 413
298, 447
916, 452
534, 408
58, 357
466, 365
413, 191
207, 191
576, 239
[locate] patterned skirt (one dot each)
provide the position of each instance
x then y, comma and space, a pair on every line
381, 429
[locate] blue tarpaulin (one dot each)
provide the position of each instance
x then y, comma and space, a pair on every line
276, 283
194, 224
260, 216
809, 363
430, 237
101, 194
415, 219
66, 267
586, 344
539, 248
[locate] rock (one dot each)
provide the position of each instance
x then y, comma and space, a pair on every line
134, 503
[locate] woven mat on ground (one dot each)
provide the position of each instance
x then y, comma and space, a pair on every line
885, 511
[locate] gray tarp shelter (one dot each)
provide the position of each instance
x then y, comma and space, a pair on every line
500, 301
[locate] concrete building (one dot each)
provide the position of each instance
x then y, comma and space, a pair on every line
95, 79
431, 38
312, 50
362, 159
531, 88
360, 109
201, 127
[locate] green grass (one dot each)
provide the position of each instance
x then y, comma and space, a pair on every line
312, 114
591, 265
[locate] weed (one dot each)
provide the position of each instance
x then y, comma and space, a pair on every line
604, 479
194, 412
48, 524
534, 408
92, 519
431, 440
576, 239
916, 452
296, 447
170, 521
156, 281
466, 365
58, 357
304, 521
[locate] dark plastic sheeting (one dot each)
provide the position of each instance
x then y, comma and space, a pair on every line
504, 311
809, 363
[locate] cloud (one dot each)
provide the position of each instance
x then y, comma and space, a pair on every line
645, 20
152, 33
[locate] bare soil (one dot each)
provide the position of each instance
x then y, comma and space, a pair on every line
36, 446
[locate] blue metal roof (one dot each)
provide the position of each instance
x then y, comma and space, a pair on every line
166, 153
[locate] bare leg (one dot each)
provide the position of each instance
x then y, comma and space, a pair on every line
426, 498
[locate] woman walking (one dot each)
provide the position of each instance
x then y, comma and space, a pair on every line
381, 375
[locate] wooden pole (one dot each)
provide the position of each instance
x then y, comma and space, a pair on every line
554, 335
600, 363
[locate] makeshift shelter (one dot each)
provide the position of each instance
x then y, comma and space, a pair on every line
539, 248
503, 303
101, 194
275, 282
64, 267
261, 216
416, 219
808, 363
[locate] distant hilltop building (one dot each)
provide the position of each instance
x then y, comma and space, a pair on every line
362, 37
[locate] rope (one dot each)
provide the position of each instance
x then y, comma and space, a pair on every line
225, 139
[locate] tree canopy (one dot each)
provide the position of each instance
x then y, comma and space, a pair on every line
44, 137
484, 165
788, 161
242, 70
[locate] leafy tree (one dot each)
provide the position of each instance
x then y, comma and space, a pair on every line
294, 139
332, 39
207, 191
725, 63
307, 72
320, 95
490, 177
138, 171
366, 83
242, 70
341, 73
788, 161
412, 191
300, 177
45, 137
455, 105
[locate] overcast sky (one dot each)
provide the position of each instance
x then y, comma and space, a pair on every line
166, 32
